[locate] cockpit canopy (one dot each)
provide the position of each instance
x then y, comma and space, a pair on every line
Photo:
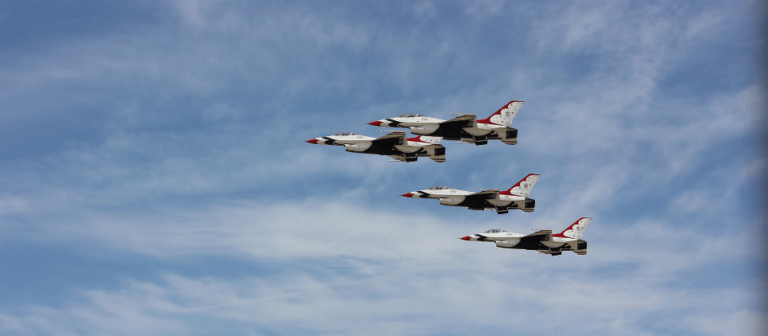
345, 133
439, 187
494, 231
409, 115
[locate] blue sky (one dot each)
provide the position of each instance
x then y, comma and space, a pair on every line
154, 177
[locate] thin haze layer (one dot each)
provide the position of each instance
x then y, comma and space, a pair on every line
154, 178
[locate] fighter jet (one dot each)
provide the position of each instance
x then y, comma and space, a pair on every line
465, 128
394, 145
489, 199
542, 241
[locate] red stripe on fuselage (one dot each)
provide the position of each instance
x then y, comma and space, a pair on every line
416, 139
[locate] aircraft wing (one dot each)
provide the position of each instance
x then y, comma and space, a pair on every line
483, 195
395, 146
479, 199
540, 233
391, 139
456, 125
534, 240
385, 145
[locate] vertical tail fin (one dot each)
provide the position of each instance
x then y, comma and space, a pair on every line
523, 188
505, 115
576, 230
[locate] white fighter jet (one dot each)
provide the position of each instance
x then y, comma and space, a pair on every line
489, 199
394, 145
465, 128
542, 241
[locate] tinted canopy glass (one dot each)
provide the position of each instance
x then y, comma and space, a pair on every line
494, 231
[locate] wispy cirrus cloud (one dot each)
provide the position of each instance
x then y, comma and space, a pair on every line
201, 120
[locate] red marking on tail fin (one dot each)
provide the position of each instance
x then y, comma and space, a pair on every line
506, 192
498, 112
570, 227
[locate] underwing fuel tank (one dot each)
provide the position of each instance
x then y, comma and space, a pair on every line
497, 202
424, 129
454, 200
358, 147
508, 243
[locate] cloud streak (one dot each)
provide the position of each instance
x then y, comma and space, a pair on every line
198, 153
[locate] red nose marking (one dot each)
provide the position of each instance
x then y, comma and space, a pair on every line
375, 123
466, 238
312, 141
407, 195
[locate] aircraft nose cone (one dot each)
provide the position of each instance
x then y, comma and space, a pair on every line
312, 141
375, 123
407, 195
465, 238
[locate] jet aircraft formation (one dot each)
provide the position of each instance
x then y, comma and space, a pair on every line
466, 128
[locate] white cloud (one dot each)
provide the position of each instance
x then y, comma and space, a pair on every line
11, 205
742, 322
528, 300
483, 8
602, 141
139, 309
